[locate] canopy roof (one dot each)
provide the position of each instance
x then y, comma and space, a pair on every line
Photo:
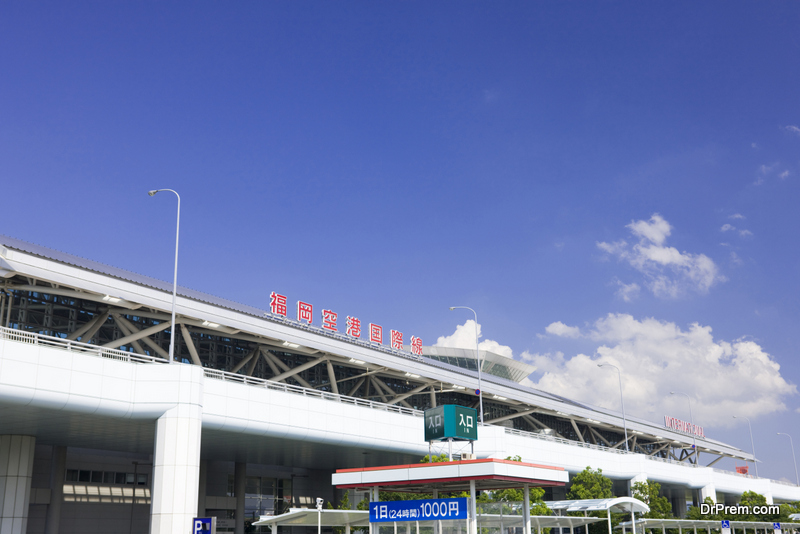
703, 523
360, 518
618, 504
488, 474
308, 516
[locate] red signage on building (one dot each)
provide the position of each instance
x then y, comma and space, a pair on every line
329, 319
682, 426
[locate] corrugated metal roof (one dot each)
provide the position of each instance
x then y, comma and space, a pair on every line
122, 274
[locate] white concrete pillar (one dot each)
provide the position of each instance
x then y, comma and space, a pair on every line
57, 471
176, 470
473, 509
641, 477
708, 491
16, 471
526, 509
239, 482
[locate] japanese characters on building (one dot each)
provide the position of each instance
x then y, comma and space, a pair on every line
682, 426
329, 320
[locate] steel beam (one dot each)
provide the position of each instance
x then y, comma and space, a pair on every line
355, 388
244, 360
99, 318
285, 367
390, 391
137, 334
577, 430
187, 338
135, 344
299, 369
332, 377
510, 416
408, 394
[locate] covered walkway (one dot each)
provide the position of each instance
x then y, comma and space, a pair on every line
692, 525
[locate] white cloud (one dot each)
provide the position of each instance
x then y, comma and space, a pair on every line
726, 227
792, 129
745, 233
667, 272
464, 338
655, 231
784, 175
560, 329
735, 259
628, 292
754, 145
737, 216
657, 357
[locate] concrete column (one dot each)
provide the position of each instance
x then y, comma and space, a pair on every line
641, 477
239, 486
57, 470
708, 491
473, 509
526, 509
176, 470
16, 471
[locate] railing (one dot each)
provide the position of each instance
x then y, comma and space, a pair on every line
307, 392
33, 338
547, 437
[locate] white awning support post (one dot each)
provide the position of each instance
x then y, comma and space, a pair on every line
526, 510
473, 509
608, 512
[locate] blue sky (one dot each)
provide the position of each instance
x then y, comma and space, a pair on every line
593, 179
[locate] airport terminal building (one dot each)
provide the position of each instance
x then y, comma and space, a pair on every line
100, 432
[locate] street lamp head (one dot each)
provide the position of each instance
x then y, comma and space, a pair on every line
452, 308
672, 393
153, 192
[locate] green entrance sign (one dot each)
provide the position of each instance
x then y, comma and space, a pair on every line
451, 421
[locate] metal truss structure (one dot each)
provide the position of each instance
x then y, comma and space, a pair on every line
71, 314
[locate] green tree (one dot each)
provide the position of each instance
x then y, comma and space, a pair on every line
436, 458
344, 504
649, 492
590, 484
788, 509
694, 512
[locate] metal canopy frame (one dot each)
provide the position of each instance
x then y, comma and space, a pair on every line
708, 525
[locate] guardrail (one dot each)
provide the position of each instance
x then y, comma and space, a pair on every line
556, 439
33, 338
306, 392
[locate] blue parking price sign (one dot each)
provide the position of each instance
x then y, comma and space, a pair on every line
204, 525
418, 510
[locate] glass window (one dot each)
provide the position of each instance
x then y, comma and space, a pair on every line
119, 478
97, 477
128, 478
108, 477
72, 475
142, 480
84, 476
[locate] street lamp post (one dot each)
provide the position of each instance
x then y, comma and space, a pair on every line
753, 447
691, 419
175, 277
477, 357
791, 444
622, 402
